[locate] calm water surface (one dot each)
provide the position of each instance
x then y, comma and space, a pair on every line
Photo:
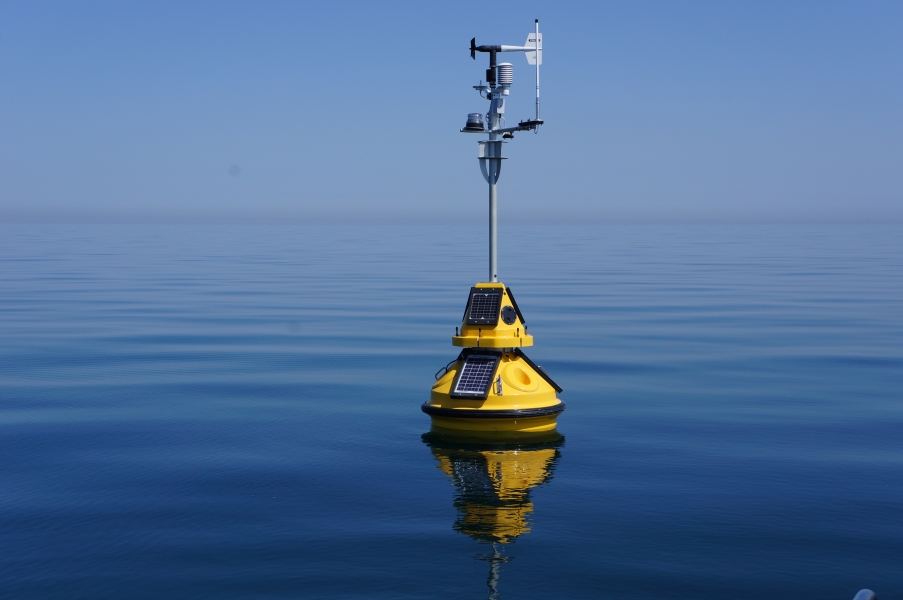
233, 412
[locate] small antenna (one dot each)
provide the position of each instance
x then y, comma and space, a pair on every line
538, 60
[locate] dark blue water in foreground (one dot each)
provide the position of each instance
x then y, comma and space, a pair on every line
233, 412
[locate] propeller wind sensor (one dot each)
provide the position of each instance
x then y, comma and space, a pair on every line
499, 77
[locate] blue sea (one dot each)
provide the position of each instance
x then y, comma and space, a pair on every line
196, 411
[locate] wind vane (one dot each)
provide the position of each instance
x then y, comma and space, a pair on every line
499, 78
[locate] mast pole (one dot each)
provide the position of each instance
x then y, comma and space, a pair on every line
493, 232
493, 123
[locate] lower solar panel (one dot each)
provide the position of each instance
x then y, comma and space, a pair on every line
475, 376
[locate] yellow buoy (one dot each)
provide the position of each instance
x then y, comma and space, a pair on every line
493, 386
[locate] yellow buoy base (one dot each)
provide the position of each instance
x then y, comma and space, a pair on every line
521, 398
516, 425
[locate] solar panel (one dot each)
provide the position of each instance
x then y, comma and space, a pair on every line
483, 306
475, 377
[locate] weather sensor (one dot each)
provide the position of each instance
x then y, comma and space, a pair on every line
499, 79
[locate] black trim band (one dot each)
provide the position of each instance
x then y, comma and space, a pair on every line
471, 413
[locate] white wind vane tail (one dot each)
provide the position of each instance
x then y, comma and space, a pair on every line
533, 43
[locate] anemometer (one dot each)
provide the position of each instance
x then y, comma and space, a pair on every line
499, 79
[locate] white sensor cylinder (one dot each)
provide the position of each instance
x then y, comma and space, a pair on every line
506, 74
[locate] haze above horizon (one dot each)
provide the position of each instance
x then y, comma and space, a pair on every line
349, 112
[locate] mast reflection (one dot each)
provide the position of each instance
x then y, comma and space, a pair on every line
493, 480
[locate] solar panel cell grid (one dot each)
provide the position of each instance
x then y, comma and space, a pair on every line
476, 374
484, 306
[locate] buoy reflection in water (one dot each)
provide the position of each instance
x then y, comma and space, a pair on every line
493, 481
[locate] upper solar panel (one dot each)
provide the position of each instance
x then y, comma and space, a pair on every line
483, 306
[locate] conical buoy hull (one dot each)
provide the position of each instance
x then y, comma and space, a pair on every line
493, 386
520, 396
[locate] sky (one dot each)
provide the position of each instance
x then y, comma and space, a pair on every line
349, 112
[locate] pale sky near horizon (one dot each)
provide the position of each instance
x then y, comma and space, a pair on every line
349, 112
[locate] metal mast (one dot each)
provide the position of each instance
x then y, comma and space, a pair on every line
499, 78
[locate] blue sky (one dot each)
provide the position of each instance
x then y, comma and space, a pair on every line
349, 112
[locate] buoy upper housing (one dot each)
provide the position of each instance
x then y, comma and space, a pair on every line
492, 320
